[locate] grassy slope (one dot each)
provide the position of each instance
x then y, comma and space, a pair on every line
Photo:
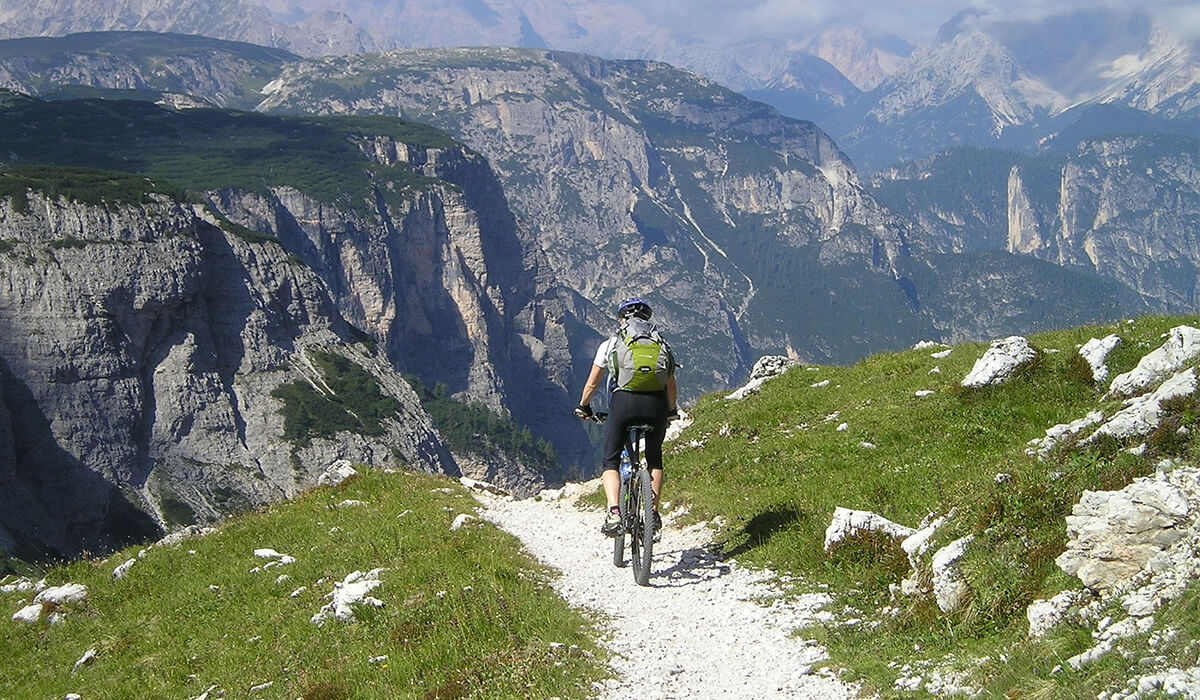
775, 466
161, 631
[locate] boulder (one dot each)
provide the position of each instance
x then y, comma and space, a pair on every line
767, 367
63, 595
949, 586
999, 362
1114, 535
336, 473
1143, 414
28, 614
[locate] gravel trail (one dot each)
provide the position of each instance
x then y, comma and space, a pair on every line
700, 630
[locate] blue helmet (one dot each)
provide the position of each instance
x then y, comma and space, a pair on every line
634, 307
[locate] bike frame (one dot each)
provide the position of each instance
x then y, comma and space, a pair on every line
637, 507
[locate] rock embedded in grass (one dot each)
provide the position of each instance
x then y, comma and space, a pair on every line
350, 591
1000, 361
847, 522
1182, 345
29, 614
1095, 352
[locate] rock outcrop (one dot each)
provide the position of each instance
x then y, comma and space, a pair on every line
1114, 535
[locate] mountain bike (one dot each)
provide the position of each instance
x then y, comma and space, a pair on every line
636, 503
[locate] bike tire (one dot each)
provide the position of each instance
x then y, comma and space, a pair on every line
641, 540
619, 540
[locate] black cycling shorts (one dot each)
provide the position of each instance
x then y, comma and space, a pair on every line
628, 408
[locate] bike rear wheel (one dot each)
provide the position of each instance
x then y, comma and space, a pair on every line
619, 540
641, 540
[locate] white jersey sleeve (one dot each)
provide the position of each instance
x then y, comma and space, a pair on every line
603, 352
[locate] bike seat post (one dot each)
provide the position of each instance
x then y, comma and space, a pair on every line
638, 433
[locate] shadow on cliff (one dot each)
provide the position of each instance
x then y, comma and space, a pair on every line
52, 504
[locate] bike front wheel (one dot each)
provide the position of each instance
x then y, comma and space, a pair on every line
641, 542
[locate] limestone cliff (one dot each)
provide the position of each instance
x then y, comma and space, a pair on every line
634, 178
142, 351
1126, 208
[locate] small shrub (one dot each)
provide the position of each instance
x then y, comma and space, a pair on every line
1079, 371
876, 553
326, 690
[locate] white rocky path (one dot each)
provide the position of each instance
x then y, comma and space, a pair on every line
703, 628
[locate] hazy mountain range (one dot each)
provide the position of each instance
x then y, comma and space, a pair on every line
980, 80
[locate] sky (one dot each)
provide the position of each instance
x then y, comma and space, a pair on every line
916, 20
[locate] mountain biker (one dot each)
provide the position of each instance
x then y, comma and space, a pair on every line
628, 407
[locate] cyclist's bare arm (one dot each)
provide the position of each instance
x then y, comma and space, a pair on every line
593, 383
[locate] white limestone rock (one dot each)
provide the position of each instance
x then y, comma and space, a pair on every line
771, 366
949, 586
336, 473
1095, 352
28, 614
120, 572
846, 523
1056, 435
65, 594
1045, 615
999, 362
766, 368
917, 543
1181, 347
676, 427
460, 521
353, 590
1114, 535
1143, 414
87, 658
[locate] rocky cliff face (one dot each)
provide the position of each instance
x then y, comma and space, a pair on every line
224, 74
142, 349
635, 179
444, 278
1126, 208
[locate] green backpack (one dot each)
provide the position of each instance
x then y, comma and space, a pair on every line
641, 360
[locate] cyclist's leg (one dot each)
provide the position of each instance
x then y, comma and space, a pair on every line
614, 441
610, 477
653, 410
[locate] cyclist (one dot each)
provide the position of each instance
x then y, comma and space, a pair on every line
628, 407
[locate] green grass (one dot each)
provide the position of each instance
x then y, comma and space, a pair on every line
465, 614
775, 466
